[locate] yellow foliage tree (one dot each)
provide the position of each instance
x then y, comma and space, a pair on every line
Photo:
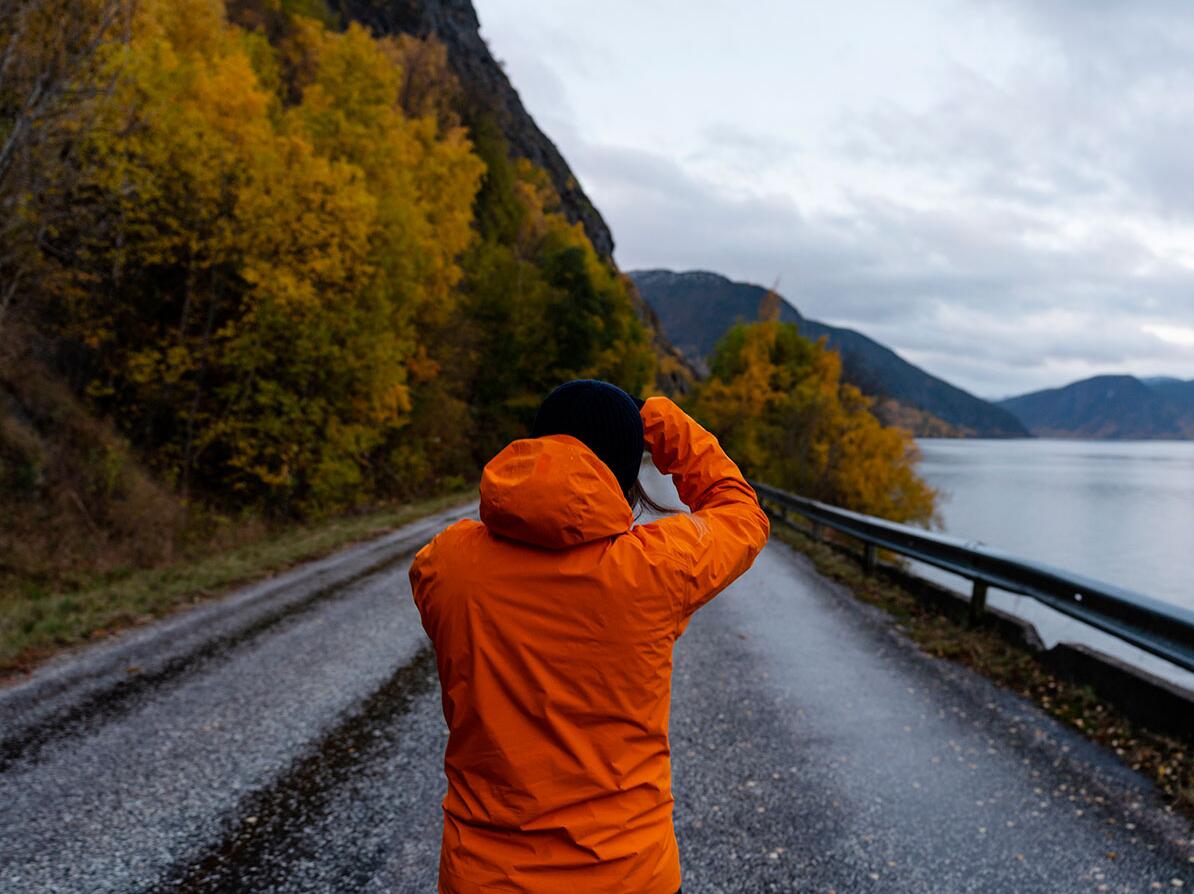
424, 180
778, 403
297, 281
266, 269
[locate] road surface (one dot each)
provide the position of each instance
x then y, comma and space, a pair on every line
289, 739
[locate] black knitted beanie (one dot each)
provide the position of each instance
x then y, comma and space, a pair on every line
601, 416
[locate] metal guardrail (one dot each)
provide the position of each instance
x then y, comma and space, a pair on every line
1159, 628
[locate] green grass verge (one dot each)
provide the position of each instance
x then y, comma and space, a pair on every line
36, 620
1165, 759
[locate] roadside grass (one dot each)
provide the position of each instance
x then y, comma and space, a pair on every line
1167, 760
38, 619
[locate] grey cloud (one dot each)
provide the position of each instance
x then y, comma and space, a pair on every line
959, 290
1109, 121
753, 153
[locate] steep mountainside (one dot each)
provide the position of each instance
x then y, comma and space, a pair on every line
490, 93
697, 307
455, 23
1112, 407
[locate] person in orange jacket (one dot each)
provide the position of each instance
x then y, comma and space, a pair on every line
553, 620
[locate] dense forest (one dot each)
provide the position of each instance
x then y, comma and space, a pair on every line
259, 262
271, 252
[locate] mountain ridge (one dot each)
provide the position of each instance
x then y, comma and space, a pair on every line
697, 307
1110, 407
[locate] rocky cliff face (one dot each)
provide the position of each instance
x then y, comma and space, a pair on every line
455, 23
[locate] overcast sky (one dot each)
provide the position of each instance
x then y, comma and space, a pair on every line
1001, 191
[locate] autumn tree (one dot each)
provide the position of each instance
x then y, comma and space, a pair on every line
52, 58
264, 269
778, 403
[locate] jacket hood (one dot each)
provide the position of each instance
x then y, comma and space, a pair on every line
552, 492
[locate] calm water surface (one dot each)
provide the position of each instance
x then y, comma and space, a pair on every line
1121, 512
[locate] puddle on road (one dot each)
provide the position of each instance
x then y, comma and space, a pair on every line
268, 833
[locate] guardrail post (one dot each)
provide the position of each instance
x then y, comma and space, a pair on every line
868, 558
817, 532
978, 601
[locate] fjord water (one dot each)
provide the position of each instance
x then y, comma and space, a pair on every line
1117, 511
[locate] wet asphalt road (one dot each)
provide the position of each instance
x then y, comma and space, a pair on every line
290, 739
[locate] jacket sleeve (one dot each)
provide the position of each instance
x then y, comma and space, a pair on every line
704, 552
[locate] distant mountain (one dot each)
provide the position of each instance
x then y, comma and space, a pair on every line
1111, 407
696, 309
1176, 391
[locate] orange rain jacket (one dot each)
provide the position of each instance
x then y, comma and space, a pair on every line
553, 621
